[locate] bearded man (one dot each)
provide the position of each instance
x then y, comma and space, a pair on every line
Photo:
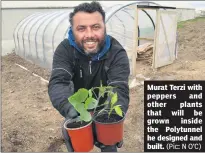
88, 57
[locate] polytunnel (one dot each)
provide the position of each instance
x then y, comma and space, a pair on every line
133, 24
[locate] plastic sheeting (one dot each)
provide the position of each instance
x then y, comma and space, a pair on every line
165, 42
37, 36
185, 14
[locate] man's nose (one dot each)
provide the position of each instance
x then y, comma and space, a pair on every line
89, 33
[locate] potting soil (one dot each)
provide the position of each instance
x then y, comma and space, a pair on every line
104, 118
77, 124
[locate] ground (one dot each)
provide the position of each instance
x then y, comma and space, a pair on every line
31, 124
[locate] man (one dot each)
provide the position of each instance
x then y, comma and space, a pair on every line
88, 56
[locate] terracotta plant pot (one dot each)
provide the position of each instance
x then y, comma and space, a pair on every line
109, 133
81, 137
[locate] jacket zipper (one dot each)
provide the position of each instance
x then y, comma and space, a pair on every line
81, 72
90, 67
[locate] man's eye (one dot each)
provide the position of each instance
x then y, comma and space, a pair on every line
96, 27
81, 29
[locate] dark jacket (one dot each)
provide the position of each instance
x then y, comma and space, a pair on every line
73, 70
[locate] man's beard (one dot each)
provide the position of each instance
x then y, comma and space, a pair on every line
91, 53
100, 43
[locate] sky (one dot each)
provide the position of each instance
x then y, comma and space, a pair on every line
180, 4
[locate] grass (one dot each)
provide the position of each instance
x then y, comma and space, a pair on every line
182, 23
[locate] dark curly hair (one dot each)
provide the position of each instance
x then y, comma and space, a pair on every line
89, 8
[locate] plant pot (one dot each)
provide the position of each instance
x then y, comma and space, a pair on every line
81, 135
109, 133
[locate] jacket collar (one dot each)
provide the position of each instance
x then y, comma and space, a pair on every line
100, 54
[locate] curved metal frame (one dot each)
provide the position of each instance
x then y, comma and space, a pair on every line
59, 14
29, 18
149, 17
119, 19
132, 18
48, 17
134, 3
19, 24
151, 21
41, 15
56, 30
40, 19
66, 32
123, 6
120, 22
29, 40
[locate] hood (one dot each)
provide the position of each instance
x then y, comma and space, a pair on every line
100, 53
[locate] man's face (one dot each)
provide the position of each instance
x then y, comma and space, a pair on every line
89, 31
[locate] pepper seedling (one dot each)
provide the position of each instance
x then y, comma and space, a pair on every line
111, 99
83, 100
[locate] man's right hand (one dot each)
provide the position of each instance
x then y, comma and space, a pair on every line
72, 114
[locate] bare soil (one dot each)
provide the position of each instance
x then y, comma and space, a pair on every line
31, 124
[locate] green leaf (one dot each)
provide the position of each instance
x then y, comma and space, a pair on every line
114, 99
102, 91
73, 101
105, 87
85, 116
82, 94
80, 108
109, 88
110, 111
91, 103
87, 102
78, 97
106, 103
110, 93
118, 110
90, 93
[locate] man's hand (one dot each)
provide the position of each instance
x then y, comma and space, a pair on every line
101, 146
72, 113
105, 148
